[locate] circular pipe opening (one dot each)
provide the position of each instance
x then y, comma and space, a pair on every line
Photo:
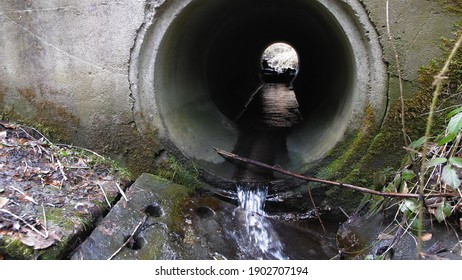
200, 74
280, 57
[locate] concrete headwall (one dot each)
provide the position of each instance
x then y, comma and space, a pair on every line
119, 76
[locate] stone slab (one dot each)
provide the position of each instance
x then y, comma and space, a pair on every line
151, 215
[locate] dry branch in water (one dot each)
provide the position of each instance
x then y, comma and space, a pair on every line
232, 156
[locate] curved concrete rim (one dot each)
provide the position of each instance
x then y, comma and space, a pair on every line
183, 91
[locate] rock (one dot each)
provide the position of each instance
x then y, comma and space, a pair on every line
140, 228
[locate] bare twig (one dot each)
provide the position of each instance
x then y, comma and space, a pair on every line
26, 223
128, 240
121, 191
80, 148
45, 221
398, 69
105, 196
61, 169
35, 130
229, 155
316, 210
27, 197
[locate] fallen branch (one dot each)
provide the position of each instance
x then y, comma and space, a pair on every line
232, 156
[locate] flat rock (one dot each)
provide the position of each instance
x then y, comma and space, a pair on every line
142, 227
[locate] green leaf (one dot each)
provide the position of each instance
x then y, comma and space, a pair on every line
455, 124
455, 111
390, 188
436, 161
439, 213
417, 143
443, 211
447, 209
446, 139
404, 188
450, 177
457, 161
409, 205
415, 223
397, 181
408, 174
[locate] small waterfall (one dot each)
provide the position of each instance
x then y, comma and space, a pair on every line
257, 237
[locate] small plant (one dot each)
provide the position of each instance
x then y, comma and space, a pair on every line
432, 167
179, 172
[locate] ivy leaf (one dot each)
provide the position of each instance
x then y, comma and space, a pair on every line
408, 174
417, 143
390, 188
439, 213
397, 181
443, 211
450, 177
455, 124
455, 111
457, 161
409, 205
437, 161
447, 139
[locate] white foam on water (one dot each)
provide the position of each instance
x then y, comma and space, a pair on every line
258, 238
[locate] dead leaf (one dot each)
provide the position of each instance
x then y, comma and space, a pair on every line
8, 125
384, 236
3, 201
426, 236
37, 241
23, 141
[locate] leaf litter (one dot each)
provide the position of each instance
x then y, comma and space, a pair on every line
50, 193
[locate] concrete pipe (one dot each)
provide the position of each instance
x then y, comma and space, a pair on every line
199, 63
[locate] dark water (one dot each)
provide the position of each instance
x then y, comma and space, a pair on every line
273, 107
268, 117
265, 123
232, 232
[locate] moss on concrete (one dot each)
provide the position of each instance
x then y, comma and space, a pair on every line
182, 172
366, 153
343, 163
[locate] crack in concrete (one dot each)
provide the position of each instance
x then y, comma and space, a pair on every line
111, 70
149, 11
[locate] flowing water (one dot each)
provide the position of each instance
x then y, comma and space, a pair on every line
256, 237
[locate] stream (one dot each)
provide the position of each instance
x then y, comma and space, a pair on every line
257, 236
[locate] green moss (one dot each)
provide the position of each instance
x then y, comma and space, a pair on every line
13, 248
178, 171
54, 121
345, 156
176, 197
454, 6
363, 155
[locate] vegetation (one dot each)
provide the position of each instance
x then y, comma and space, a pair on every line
433, 163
